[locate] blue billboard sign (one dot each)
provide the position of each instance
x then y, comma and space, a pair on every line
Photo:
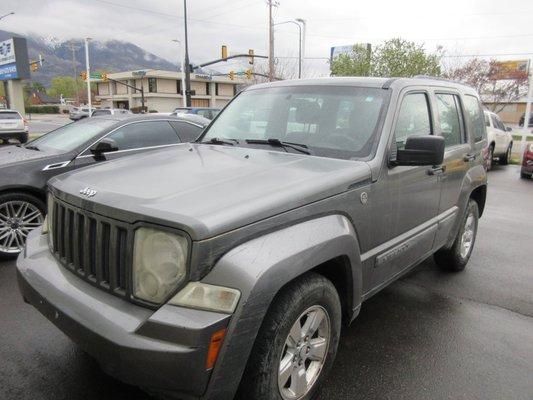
14, 62
8, 71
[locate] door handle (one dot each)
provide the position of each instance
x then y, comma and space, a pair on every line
439, 169
469, 157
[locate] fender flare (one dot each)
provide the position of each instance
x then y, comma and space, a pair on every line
259, 269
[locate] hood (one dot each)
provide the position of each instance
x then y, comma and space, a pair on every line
10, 155
208, 190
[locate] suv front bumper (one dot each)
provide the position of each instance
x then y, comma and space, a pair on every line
164, 350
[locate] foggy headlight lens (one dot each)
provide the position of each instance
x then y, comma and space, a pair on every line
207, 297
159, 263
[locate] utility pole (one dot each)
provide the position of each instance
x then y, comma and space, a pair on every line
88, 71
73, 48
270, 41
187, 62
182, 62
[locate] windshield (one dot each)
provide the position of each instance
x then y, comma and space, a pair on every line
71, 136
331, 121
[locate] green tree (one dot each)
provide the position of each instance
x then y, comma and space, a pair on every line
395, 57
63, 85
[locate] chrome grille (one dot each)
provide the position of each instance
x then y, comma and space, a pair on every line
95, 248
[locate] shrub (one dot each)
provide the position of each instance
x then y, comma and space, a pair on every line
42, 110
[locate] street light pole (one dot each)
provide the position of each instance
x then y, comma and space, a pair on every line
88, 71
187, 62
6, 15
182, 73
304, 25
299, 44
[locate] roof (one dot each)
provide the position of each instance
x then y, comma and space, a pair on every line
144, 117
158, 73
373, 82
44, 98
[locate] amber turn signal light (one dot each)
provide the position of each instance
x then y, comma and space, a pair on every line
214, 347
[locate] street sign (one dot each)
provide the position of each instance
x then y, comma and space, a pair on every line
510, 69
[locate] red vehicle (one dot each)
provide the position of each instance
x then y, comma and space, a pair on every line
527, 162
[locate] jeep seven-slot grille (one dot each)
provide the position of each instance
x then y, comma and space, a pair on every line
95, 248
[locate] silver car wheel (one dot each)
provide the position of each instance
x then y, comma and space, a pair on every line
467, 238
304, 353
17, 219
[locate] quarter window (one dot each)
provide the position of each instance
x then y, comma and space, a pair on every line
475, 115
144, 134
450, 118
187, 132
414, 118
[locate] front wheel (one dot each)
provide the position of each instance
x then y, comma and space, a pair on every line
296, 344
19, 214
456, 257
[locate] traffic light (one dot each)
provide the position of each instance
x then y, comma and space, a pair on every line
224, 51
104, 77
248, 73
34, 66
231, 75
83, 75
251, 56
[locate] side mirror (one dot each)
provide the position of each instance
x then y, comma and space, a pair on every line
421, 150
508, 129
105, 145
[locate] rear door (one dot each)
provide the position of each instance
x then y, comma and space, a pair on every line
458, 152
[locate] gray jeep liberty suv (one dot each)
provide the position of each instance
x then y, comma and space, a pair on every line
225, 267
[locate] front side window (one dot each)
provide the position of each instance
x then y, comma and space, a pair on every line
487, 120
414, 118
71, 136
450, 118
332, 121
475, 115
144, 134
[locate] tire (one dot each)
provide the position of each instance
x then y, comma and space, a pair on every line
23, 138
19, 213
456, 257
524, 175
274, 347
504, 160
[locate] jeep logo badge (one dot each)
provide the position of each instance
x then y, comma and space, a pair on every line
364, 197
88, 192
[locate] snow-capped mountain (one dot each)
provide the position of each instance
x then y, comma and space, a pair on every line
110, 56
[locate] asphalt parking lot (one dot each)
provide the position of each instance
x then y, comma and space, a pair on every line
431, 335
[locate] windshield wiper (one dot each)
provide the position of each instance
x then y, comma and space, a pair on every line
216, 140
302, 148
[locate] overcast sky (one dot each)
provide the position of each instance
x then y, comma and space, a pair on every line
487, 27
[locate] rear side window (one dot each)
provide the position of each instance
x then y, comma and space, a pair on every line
187, 132
144, 134
450, 118
414, 118
9, 115
475, 115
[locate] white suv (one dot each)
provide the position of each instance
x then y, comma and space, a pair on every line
499, 139
13, 126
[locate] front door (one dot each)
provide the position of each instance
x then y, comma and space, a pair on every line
414, 193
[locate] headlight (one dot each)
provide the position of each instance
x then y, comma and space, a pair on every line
207, 297
159, 263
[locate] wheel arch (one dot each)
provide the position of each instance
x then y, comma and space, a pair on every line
326, 245
33, 191
479, 195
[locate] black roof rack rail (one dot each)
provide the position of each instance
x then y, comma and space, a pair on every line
436, 78
388, 83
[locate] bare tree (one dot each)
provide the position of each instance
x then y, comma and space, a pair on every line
485, 77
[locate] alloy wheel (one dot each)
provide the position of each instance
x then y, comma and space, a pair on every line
304, 353
467, 238
17, 219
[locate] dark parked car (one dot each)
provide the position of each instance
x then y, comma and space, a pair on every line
527, 163
25, 169
522, 118
228, 265
205, 112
